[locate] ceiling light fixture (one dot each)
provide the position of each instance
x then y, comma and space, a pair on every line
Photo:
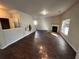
44, 12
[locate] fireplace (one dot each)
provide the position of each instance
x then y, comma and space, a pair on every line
4, 23
55, 28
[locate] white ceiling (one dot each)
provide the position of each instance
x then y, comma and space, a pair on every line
34, 7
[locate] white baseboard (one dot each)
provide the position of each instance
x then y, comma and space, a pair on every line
5, 46
68, 42
77, 55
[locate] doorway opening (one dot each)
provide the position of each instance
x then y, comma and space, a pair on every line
4, 23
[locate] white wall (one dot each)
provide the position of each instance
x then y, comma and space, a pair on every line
1, 38
45, 23
42, 24
73, 37
10, 36
26, 20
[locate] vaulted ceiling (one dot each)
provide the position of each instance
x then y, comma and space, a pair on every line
34, 7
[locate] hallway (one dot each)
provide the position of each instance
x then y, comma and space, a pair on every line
39, 45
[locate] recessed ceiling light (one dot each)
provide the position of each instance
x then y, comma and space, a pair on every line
44, 12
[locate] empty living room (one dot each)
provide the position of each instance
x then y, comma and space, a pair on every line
39, 29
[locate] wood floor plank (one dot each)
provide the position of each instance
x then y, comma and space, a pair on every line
39, 45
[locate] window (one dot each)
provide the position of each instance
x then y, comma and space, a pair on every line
65, 26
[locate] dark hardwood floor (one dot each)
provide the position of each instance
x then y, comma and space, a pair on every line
39, 45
